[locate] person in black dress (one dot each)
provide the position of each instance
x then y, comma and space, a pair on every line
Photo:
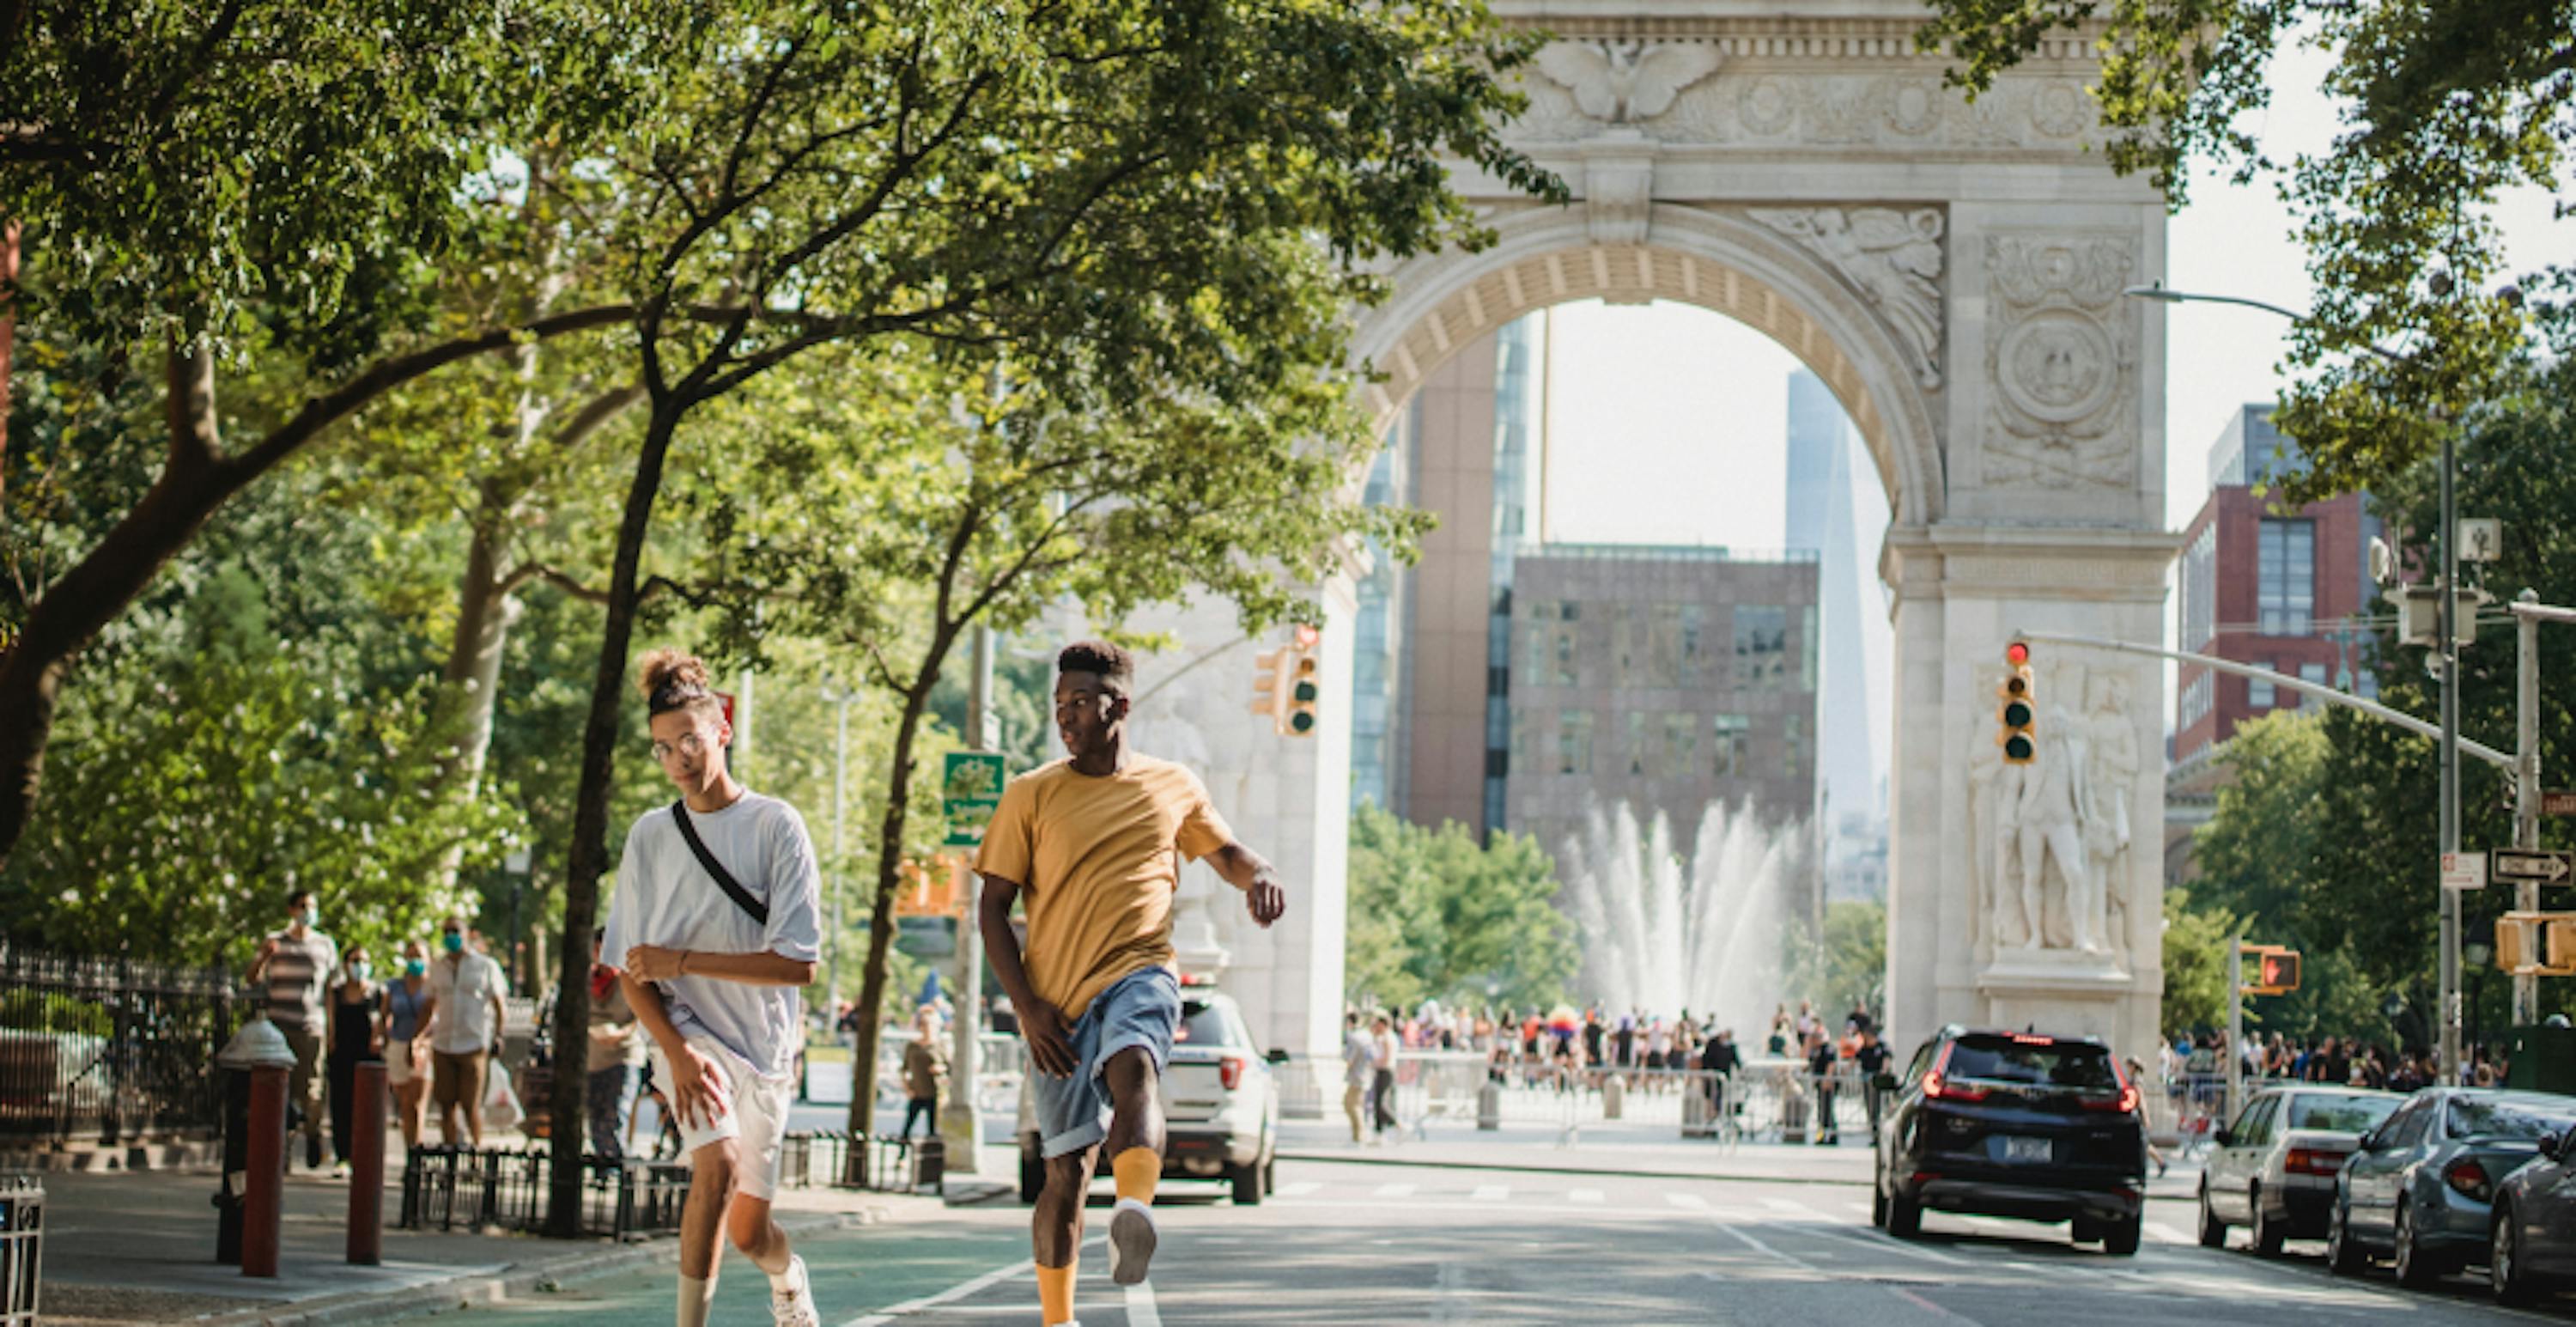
353, 1002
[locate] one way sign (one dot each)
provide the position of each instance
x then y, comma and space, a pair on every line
2547, 867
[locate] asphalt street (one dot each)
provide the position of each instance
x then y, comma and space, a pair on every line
1349, 1243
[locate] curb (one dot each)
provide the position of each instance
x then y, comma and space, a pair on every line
548, 1274
1533, 1168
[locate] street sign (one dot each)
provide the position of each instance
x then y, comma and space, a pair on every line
2559, 802
2549, 868
2464, 870
969, 792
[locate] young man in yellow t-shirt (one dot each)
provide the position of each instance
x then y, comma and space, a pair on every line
1094, 844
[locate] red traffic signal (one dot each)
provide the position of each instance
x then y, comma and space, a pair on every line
2016, 713
2276, 970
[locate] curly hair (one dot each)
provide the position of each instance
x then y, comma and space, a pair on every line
1113, 663
674, 679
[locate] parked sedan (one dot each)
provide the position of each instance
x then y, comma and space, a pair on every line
2419, 1190
2532, 1241
2275, 1166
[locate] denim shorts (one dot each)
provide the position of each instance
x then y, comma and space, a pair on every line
1140, 1009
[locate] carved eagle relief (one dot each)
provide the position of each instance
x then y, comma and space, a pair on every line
1624, 82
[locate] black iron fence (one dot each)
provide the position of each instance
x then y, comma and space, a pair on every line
107, 1050
452, 1188
833, 1159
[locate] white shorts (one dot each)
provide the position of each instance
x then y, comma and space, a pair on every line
398, 1070
753, 1112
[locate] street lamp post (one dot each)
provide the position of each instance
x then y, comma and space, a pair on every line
2448, 649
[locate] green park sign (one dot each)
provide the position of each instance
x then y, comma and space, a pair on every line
969, 792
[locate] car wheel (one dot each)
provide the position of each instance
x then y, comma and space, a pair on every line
2213, 1232
1032, 1176
1247, 1186
1904, 1216
2415, 1269
2342, 1255
2505, 1273
2123, 1239
2268, 1233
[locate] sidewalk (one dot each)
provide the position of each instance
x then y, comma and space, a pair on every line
138, 1247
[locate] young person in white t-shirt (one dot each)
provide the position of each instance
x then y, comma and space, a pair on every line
717, 986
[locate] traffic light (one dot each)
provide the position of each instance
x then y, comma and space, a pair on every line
2276, 970
1270, 685
2016, 710
1289, 684
2541, 944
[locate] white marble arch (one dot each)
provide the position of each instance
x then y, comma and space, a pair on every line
1720, 261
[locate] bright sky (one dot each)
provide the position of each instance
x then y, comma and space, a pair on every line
1698, 402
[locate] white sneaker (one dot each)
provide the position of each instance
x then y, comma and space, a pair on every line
1131, 1241
794, 1306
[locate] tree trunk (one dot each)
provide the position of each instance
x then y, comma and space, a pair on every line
193, 483
881, 925
485, 612
589, 852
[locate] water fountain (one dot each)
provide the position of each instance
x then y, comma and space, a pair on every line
1664, 933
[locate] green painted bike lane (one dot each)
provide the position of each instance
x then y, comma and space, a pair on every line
855, 1273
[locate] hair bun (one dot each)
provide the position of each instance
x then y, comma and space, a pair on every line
669, 670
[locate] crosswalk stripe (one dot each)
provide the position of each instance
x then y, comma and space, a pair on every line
1691, 1201
1856, 1205
1786, 1205
2167, 1233
1583, 1195
1298, 1189
1491, 1193
1395, 1191
1141, 1309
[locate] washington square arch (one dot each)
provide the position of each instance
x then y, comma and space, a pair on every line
1953, 272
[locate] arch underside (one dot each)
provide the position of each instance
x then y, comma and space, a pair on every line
1702, 257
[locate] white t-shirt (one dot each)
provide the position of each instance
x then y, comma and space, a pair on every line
465, 988
1356, 1057
665, 897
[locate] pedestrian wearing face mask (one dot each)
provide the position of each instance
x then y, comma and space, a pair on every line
355, 998
465, 1036
407, 1006
294, 968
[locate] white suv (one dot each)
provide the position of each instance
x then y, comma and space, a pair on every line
1220, 1102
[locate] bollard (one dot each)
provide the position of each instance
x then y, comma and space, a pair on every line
929, 1164
367, 1166
264, 1188
1489, 1107
1613, 1097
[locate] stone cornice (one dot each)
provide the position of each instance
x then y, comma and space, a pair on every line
1847, 31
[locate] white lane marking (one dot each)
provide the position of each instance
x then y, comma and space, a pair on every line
1395, 1191
1877, 1245
957, 1292
2168, 1234
1298, 1189
1583, 1195
1141, 1311
1491, 1193
1928, 1306
1787, 1205
1856, 1206
1691, 1201
1761, 1248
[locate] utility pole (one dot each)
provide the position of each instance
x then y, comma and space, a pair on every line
2235, 1022
840, 781
2447, 628
960, 1122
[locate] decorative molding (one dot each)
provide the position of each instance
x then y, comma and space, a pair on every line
1623, 82
1619, 190
1763, 105
1892, 257
2062, 355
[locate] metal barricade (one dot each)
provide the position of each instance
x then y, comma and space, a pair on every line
22, 1248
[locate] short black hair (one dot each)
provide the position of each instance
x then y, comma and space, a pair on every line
298, 895
1113, 663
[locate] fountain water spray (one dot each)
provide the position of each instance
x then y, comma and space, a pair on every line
1664, 934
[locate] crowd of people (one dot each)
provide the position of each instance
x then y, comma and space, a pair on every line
1646, 1051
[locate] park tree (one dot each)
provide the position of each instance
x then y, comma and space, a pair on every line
2445, 106
1142, 200
1452, 919
254, 195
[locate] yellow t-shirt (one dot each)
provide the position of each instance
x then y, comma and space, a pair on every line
1097, 859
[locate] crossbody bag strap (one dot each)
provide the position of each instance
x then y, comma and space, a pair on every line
724, 879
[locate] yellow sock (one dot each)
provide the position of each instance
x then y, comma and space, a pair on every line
1137, 1170
1055, 1292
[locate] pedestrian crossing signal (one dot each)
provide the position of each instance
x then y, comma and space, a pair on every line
2276, 970
2537, 944
2015, 710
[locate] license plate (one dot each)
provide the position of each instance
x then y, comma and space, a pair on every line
2026, 1149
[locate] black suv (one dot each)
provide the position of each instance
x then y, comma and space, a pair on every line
2014, 1124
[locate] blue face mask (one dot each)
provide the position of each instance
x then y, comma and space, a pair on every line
415, 966
455, 942
312, 916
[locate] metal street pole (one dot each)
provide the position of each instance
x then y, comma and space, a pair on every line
2449, 644
2235, 1025
840, 782
2526, 784
960, 1122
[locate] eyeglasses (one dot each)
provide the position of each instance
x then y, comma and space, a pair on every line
689, 744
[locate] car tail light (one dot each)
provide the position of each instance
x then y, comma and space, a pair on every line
2470, 1179
1938, 1087
2310, 1161
2125, 1102
1229, 1071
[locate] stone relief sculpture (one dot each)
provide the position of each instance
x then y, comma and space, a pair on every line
1622, 82
2063, 357
2112, 737
1893, 258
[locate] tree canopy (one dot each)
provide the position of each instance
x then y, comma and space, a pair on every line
1435, 915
